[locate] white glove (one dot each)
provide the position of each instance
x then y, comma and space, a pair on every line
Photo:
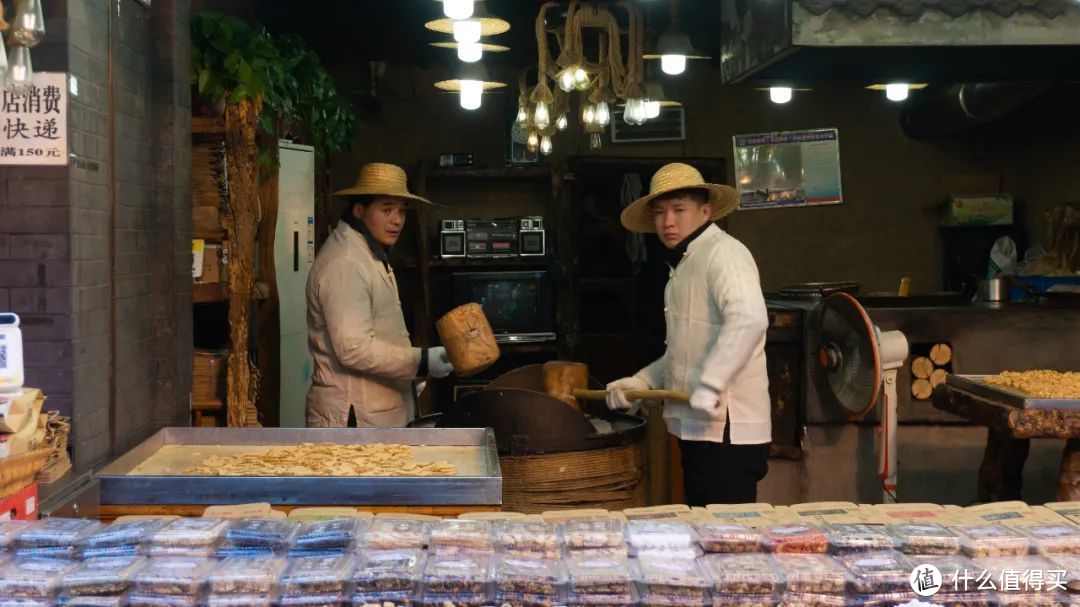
705, 399
420, 385
438, 363
616, 400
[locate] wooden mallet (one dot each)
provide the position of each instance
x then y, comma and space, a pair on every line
568, 382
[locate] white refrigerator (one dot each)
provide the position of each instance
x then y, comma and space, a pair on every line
294, 254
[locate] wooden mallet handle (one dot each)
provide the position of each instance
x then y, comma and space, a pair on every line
635, 395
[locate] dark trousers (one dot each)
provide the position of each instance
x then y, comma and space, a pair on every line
722, 473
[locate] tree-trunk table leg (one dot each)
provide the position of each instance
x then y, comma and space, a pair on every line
1069, 476
1001, 471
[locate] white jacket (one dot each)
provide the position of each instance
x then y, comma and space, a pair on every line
716, 324
357, 337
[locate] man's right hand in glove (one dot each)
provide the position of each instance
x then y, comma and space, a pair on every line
438, 363
616, 397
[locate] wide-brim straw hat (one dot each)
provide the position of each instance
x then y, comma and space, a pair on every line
381, 179
638, 217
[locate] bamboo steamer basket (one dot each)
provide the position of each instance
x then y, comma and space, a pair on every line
18, 472
469, 341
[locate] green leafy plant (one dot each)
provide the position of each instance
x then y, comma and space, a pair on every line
231, 58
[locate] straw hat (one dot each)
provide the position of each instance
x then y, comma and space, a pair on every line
381, 179
638, 216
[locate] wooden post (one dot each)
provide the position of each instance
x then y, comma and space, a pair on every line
242, 222
267, 316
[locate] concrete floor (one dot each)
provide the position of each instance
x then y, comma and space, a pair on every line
937, 464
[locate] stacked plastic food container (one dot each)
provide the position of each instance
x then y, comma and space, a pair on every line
530, 562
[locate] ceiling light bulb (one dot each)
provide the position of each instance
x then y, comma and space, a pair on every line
581, 79
673, 64
20, 73
603, 113
595, 142
28, 27
897, 91
542, 116
458, 9
470, 52
566, 80
635, 112
3, 59
533, 142
545, 145
467, 30
522, 115
780, 94
588, 114
471, 93
561, 123
652, 109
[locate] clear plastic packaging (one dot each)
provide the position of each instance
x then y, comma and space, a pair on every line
1053, 538
273, 534
744, 600
173, 576
811, 573
388, 571
27, 578
660, 535
396, 534
675, 579
602, 600
743, 573
656, 600
519, 536
803, 599
718, 537
593, 534
137, 599
592, 575
383, 599
13, 602
892, 599
802, 538
454, 600
521, 577
881, 572
251, 576
1024, 574
619, 552
983, 599
240, 600
1070, 564
454, 574
982, 541
1013, 599
462, 535
955, 571
56, 532
101, 576
193, 533
9, 532
316, 575
314, 600
925, 538
120, 536
72, 600
845, 538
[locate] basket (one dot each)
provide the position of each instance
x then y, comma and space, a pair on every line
19, 471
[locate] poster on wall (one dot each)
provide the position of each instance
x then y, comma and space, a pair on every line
33, 122
788, 169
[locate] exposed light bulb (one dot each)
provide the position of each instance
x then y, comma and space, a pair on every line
562, 122
522, 115
635, 112
470, 52
603, 113
542, 116
467, 30
588, 114
457, 9
566, 80
581, 79
780, 94
3, 60
652, 109
533, 142
20, 72
673, 64
471, 93
28, 27
897, 91
595, 142
545, 145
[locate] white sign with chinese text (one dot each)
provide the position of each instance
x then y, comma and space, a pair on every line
33, 122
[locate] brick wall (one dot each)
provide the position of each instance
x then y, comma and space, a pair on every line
95, 256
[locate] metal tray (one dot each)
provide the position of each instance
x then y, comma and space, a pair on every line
976, 384
122, 481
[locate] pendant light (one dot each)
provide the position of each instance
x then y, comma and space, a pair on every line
458, 9
28, 27
3, 60
470, 85
20, 72
545, 145
480, 24
780, 94
542, 116
470, 52
561, 123
673, 47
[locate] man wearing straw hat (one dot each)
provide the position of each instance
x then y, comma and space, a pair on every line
364, 362
716, 322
